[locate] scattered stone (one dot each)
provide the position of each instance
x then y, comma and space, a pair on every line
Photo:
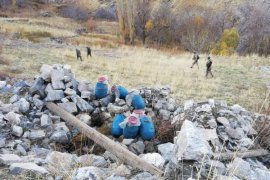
60, 137
57, 77
166, 150
13, 118
154, 158
164, 114
45, 121
69, 107
70, 92
84, 118
122, 170
38, 88
237, 133
189, 104
128, 142
2, 84
17, 131
117, 109
45, 72
14, 98
93, 160
191, 144
61, 163
54, 95
18, 168
240, 168
7, 159
224, 121
144, 175
137, 148
82, 104
2, 142
90, 172
37, 134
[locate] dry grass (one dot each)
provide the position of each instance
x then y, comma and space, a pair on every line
236, 79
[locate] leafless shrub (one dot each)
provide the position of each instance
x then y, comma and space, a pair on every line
254, 28
108, 13
74, 12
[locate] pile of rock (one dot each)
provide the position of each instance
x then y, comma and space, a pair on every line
30, 134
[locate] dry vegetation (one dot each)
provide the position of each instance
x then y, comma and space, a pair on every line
236, 78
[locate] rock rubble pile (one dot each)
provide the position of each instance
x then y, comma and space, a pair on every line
32, 139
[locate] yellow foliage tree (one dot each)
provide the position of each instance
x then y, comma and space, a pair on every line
227, 43
149, 25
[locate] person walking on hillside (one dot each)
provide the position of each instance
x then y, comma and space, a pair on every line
88, 52
195, 59
78, 54
209, 67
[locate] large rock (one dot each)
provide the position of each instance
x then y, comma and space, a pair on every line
85, 118
237, 133
82, 104
7, 159
224, 121
37, 135
45, 72
45, 121
92, 160
144, 175
57, 76
60, 137
61, 163
55, 95
117, 109
13, 118
240, 168
69, 107
2, 84
137, 148
17, 131
191, 144
155, 159
38, 88
166, 150
18, 168
90, 173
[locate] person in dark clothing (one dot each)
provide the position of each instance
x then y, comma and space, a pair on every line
78, 54
88, 52
209, 67
195, 59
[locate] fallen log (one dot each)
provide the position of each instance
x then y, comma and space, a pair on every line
247, 154
123, 154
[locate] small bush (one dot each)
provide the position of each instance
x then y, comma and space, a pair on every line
164, 131
74, 12
5, 3
227, 43
108, 13
35, 36
263, 129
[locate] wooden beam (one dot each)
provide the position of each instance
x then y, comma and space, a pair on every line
122, 153
247, 154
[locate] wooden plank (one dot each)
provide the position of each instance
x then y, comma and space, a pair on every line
122, 153
247, 154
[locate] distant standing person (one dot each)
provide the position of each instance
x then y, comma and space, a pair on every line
88, 51
78, 54
195, 59
209, 67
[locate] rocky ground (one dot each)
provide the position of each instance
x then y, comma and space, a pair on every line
36, 144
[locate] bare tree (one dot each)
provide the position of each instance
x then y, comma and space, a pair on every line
142, 16
254, 28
